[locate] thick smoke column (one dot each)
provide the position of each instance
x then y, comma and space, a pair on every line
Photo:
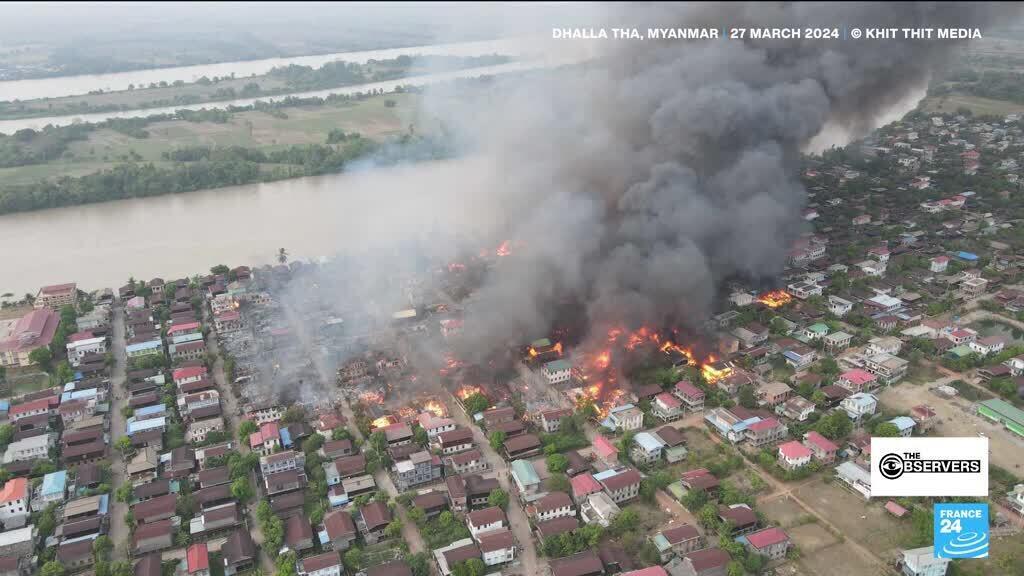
640, 181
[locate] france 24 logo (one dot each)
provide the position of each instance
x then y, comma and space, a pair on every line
961, 530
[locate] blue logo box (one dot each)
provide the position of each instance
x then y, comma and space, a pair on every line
961, 530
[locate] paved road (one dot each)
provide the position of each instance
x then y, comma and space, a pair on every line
516, 515
410, 532
230, 411
119, 531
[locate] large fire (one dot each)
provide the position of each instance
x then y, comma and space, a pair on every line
467, 390
435, 408
775, 298
557, 348
371, 397
503, 250
382, 422
451, 364
715, 371
603, 360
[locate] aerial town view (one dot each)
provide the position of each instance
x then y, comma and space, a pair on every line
549, 289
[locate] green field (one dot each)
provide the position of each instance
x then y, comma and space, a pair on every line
372, 117
949, 103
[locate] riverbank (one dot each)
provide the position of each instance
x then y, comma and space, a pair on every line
281, 80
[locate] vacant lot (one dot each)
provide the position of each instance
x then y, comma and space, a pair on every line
783, 511
838, 560
949, 103
867, 523
957, 418
811, 537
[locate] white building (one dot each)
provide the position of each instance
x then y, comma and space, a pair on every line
884, 345
838, 306
557, 371
859, 405
922, 562
14, 499
81, 348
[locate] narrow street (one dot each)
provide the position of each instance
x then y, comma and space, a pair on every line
516, 515
231, 411
119, 532
410, 532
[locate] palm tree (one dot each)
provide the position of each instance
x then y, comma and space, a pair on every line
282, 255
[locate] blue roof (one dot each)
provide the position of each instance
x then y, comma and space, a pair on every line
648, 442
150, 345
966, 255
5, 404
286, 437
743, 425
621, 408
793, 355
143, 425
151, 410
601, 476
54, 483
903, 422
78, 394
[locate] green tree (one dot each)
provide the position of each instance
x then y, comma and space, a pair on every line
835, 425
419, 436
123, 493
747, 398
735, 568
353, 559
285, 564
47, 522
6, 434
558, 483
124, 446
241, 489
886, 430
341, 434
419, 563
557, 463
52, 568
498, 497
393, 529
43, 358
476, 403
102, 546
497, 440
246, 427
471, 567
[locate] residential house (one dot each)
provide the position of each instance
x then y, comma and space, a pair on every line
706, 562
431, 503
298, 534
281, 462
420, 468
372, 520
772, 393
625, 418
75, 555
904, 424
454, 441
605, 450
823, 449
155, 509
455, 553
922, 562
197, 560
281, 482
667, 407
584, 485
33, 330
339, 531
700, 479
764, 432
859, 405
678, 540
742, 519
855, 477
857, 380
556, 372
525, 478
324, 564
153, 537
554, 505
599, 508
691, 396
793, 455
522, 446
751, 335
837, 342
888, 368
646, 448
551, 420
884, 345
497, 547
772, 543
14, 503
238, 552
332, 449
800, 357
483, 521
57, 296
267, 439
468, 462
924, 416
796, 408
838, 306
988, 345
622, 486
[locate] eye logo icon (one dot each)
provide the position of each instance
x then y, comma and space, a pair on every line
891, 466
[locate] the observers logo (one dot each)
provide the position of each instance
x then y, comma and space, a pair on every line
929, 466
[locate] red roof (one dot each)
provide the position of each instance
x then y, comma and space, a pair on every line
83, 335
339, 524
895, 509
793, 450
940, 259
198, 558
668, 400
268, 431
680, 534
14, 489
183, 327
625, 478
189, 372
58, 289
583, 484
31, 331
26, 407
649, 571
686, 388
767, 537
821, 442
766, 424
604, 447
857, 376
922, 411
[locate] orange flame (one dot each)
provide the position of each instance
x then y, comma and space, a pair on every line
503, 250
435, 408
603, 360
712, 374
466, 391
382, 422
775, 298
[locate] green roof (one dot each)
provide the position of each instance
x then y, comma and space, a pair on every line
556, 365
961, 351
524, 470
541, 343
818, 328
1005, 410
